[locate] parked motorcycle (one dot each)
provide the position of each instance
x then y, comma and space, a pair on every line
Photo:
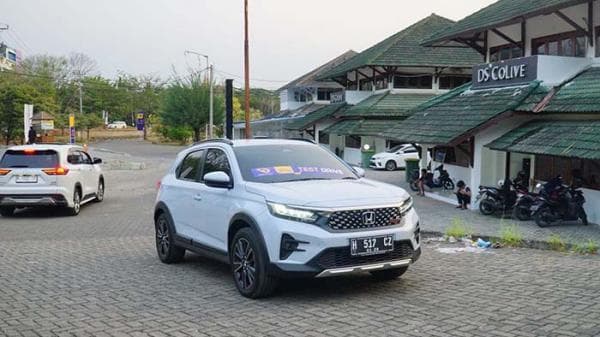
501, 198
560, 204
522, 210
443, 181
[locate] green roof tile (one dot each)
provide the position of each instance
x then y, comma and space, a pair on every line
404, 49
387, 105
564, 138
456, 113
308, 120
500, 13
357, 127
580, 95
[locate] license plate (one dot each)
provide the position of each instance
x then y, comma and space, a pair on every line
27, 179
372, 245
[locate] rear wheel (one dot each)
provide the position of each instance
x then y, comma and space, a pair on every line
7, 211
249, 262
76, 208
448, 184
543, 217
486, 207
167, 251
583, 216
522, 213
388, 274
414, 185
391, 165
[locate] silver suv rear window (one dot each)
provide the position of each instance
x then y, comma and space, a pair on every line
29, 159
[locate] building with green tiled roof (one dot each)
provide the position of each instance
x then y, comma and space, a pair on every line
533, 106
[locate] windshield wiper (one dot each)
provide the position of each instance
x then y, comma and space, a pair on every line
349, 178
19, 166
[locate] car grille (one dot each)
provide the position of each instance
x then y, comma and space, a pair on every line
354, 219
340, 257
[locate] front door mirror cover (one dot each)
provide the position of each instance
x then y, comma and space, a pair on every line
218, 179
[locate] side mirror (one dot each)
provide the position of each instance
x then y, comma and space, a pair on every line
359, 171
97, 161
218, 179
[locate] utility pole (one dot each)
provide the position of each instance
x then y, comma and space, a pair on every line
210, 114
248, 132
80, 98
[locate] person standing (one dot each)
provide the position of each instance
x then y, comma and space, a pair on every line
463, 194
31, 136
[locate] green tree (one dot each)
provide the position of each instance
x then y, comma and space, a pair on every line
89, 121
187, 104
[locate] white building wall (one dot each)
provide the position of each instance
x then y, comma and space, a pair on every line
354, 96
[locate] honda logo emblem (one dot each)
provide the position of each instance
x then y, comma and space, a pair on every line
368, 218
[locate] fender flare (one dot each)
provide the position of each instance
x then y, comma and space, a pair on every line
161, 207
251, 223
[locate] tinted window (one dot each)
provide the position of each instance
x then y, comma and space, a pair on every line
216, 160
76, 158
85, 158
282, 163
189, 167
37, 159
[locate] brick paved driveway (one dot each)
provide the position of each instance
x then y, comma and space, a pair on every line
98, 275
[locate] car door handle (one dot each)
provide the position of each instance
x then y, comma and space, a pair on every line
198, 197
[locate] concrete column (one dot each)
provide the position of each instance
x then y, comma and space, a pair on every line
424, 150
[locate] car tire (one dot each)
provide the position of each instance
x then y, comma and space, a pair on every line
388, 274
100, 191
7, 211
74, 211
166, 249
249, 261
391, 166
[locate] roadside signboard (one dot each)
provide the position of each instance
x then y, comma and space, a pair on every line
27, 116
139, 121
72, 129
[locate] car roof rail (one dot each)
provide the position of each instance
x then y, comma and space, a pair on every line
216, 140
290, 138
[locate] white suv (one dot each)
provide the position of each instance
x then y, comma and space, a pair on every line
394, 158
281, 208
45, 175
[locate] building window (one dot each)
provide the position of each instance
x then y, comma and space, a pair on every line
381, 83
588, 171
323, 95
505, 52
413, 82
323, 138
451, 82
461, 155
353, 142
302, 97
566, 44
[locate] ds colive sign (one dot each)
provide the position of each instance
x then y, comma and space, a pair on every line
505, 73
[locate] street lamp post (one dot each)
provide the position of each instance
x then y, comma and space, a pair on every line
210, 79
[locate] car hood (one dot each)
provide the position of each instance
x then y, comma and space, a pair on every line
382, 155
330, 193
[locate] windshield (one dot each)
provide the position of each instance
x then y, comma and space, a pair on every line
35, 159
290, 162
395, 148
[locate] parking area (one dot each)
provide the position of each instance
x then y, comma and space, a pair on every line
97, 274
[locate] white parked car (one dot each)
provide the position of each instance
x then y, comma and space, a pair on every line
117, 125
44, 175
282, 208
394, 158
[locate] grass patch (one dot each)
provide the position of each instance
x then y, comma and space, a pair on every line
557, 243
589, 247
458, 229
511, 236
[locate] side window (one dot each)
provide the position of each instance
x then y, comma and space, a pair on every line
74, 158
189, 169
85, 158
216, 160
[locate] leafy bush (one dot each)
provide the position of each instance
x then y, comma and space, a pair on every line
589, 247
556, 243
175, 133
458, 229
511, 236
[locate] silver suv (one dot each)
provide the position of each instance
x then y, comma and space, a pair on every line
282, 208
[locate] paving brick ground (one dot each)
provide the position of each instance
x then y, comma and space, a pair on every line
98, 275
436, 216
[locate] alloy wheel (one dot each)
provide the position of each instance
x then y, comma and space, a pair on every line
100, 193
162, 237
76, 202
244, 264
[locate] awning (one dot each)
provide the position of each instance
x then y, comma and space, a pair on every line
445, 119
357, 127
310, 119
563, 138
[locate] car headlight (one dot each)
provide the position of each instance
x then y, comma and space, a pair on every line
291, 213
406, 205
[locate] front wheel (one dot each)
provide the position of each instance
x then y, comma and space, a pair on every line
7, 211
388, 274
249, 261
542, 217
391, 165
487, 207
